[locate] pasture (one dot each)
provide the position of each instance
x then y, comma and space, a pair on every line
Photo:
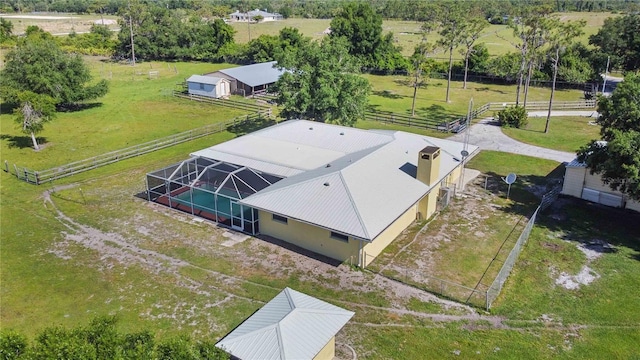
86, 245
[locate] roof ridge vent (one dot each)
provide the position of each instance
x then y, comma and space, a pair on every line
326, 183
328, 165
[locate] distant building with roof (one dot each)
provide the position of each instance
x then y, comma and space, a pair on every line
208, 86
238, 16
250, 79
341, 192
292, 325
579, 182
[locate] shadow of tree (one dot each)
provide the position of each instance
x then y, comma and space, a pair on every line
486, 88
387, 94
21, 142
437, 112
526, 193
246, 127
598, 227
7, 108
78, 107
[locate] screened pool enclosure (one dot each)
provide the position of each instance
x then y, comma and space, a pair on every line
210, 189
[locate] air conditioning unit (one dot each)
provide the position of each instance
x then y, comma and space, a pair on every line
444, 197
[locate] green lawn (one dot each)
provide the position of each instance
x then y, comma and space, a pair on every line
134, 111
566, 133
394, 93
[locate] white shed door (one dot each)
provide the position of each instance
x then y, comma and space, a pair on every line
591, 195
610, 200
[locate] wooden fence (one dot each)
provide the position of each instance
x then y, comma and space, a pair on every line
39, 177
459, 124
221, 102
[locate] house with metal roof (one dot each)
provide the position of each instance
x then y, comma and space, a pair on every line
250, 79
249, 16
342, 192
209, 86
579, 182
292, 325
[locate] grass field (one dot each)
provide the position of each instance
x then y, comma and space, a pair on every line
566, 133
407, 34
135, 110
393, 93
86, 246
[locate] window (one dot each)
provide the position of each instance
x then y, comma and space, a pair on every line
201, 86
280, 219
340, 237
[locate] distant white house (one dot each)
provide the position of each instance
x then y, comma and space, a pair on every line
238, 16
209, 86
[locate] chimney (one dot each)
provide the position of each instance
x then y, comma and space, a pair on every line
428, 165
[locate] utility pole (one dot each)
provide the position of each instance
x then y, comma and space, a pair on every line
133, 50
606, 71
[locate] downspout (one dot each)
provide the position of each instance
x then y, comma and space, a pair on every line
360, 255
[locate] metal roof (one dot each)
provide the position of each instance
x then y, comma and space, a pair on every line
292, 325
576, 163
255, 74
369, 183
201, 79
255, 12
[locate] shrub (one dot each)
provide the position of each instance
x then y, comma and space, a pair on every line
514, 116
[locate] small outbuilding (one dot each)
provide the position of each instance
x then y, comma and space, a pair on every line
209, 86
292, 325
580, 183
250, 79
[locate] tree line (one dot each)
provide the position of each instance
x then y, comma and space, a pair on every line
494, 10
101, 340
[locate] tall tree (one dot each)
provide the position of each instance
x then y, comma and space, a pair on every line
418, 64
526, 24
617, 157
451, 23
38, 65
471, 33
32, 112
562, 36
321, 84
619, 38
359, 24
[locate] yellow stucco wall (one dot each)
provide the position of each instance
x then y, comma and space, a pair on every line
309, 237
633, 205
374, 248
595, 182
573, 181
328, 352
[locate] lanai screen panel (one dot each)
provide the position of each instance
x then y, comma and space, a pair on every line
208, 188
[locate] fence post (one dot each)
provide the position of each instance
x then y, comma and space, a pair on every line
16, 169
37, 178
486, 294
6, 166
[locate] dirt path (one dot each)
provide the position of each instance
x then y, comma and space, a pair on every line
115, 247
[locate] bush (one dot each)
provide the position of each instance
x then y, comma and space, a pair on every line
514, 116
